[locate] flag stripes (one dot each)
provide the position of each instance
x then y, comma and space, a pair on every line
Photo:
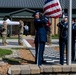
52, 9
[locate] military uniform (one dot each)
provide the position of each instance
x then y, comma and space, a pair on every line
73, 40
40, 38
63, 34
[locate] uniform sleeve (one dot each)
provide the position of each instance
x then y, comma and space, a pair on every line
74, 27
38, 21
60, 25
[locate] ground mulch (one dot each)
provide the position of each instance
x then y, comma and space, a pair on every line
26, 58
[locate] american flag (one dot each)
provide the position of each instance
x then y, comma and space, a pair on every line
52, 8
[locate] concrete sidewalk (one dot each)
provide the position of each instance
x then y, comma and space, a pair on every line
11, 43
55, 42
50, 55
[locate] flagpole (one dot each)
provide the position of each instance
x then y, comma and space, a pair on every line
69, 33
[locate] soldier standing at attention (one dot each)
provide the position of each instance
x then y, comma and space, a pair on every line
40, 37
73, 38
63, 35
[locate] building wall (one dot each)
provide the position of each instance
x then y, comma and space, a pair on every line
28, 21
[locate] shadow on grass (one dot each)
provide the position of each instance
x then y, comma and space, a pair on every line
12, 61
17, 61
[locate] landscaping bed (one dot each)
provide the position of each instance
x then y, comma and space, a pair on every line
25, 58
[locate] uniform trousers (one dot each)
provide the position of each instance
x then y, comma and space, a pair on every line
73, 48
39, 47
26, 32
62, 44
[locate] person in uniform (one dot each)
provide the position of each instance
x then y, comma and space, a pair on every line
63, 35
40, 36
73, 38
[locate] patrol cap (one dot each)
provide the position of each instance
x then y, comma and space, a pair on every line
65, 16
36, 12
73, 19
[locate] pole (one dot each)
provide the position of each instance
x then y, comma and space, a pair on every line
69, 33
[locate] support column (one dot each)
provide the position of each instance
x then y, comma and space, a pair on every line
4, 33
20, 34
52, 26
49, 36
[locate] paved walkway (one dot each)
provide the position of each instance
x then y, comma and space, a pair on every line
10, 43
51, 56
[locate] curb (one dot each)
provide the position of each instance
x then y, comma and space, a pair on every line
44, 69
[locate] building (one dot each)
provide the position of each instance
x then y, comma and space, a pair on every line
23, 10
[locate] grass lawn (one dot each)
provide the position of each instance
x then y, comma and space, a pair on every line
55, 36
4, 52
11, 37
